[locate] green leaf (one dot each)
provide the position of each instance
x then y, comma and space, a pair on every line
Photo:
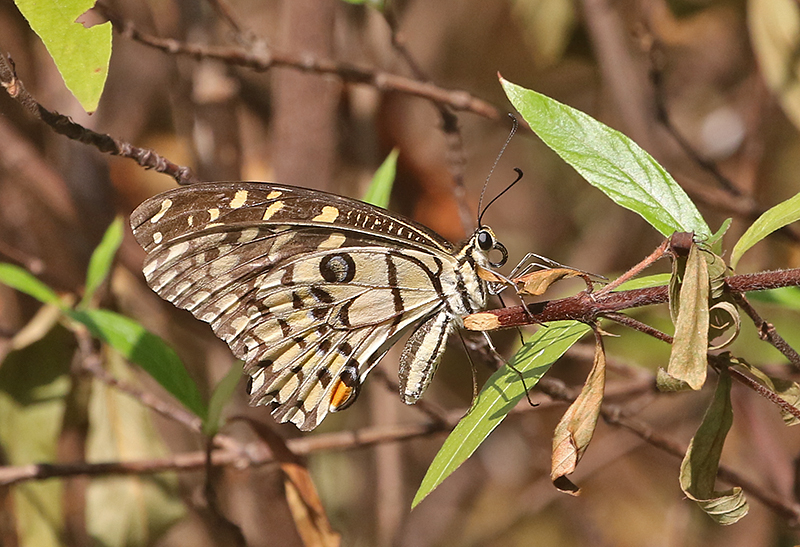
146, 350
656, 280
81, 54
788, 297
34, 384
126, 511
688, 361
102, 259
380, 189
701, 462
610, 161
498, 397
776, 218
19, 279
219, 398
716, 240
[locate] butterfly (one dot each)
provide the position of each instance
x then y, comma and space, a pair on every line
311, 289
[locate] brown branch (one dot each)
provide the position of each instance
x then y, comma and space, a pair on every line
383, 81
586, 307
63, 125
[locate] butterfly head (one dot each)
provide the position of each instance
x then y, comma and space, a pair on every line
484, 242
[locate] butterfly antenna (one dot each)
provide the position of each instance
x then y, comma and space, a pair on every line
514, 126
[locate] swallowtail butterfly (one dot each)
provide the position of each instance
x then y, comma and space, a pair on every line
311, 289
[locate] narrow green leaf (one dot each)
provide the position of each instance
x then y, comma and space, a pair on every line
776, 218
380, 189
498, 397
81, 54
375, 4
688, 362
656, 280
701, 462
610, 161
146, 350
19, 279
716, 240
219, 398
576, 428
126, 511
788, 297
102, 259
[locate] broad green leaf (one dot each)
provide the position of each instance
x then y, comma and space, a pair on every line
126, 511
219, 398
576, 428
19, 279
774, 27
102, 259
701, 462
498, 397
688, 361
610, 161
81, 54
146, 350
34, 384
776, 218
380, 189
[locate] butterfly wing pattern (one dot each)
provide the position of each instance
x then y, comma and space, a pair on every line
310, 289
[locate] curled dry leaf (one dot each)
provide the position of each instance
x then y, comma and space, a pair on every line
576, 428
688, 360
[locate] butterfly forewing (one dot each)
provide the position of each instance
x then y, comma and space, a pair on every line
310, 289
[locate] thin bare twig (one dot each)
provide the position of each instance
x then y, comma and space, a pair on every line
767, 331
105, 143
383, 81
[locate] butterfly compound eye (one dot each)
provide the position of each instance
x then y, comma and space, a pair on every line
485, 240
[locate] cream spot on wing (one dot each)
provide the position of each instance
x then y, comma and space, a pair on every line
176, 251
328, 214
248, 235
223, 264
149, 269
165, 205
227, 301
190, 220
334, 241
213, 224
275, 194
157, 237
272, 209
239, 324
214, 213
239, 199
198, 298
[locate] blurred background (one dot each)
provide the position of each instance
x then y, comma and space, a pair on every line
708, 87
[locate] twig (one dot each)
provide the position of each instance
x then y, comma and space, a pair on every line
383, 81
91, 363
104, 143
452, 132
767, 331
